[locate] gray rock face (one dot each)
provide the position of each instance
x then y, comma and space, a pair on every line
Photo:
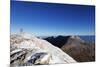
28, 50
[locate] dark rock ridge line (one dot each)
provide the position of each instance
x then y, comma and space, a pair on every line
58, 41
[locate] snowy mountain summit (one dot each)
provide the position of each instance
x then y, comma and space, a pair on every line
28, 50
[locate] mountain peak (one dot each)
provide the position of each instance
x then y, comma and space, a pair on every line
75, 40
32, 50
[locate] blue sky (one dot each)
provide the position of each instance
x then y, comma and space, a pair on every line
52, 19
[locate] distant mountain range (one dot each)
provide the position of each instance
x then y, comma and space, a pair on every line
79, 49
60, 40
26, 49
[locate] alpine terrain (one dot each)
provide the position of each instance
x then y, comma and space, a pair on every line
26, 49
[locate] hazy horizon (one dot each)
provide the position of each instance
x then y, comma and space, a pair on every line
52, 19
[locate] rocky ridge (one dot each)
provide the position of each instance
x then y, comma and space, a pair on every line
28, 50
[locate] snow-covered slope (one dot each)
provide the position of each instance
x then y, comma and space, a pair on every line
27, 49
